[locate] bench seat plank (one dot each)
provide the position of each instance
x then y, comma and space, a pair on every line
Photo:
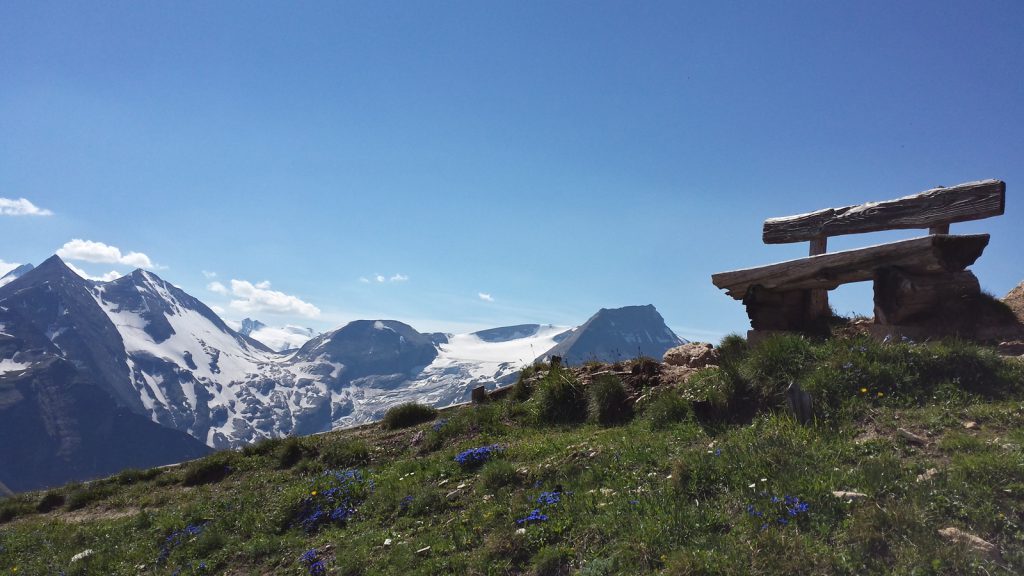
940, 253
933, 208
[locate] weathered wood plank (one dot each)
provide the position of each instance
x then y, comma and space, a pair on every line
926, 255
929, 209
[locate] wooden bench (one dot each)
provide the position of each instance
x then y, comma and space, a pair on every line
910, 276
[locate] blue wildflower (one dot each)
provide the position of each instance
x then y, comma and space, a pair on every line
535, 516
549, 498
439, 424
477, 456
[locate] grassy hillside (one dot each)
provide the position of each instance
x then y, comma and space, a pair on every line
596, 470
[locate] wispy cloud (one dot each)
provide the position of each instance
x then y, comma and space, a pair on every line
98, 252
21, 207
217, 288
112, 275
251, 298
382, 279
209, 275
485, 296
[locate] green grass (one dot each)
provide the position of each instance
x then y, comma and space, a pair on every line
663, 492
408, 414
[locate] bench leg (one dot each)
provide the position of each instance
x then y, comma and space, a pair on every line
771, 310
900, 296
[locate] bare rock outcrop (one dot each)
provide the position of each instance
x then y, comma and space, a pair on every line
692, 355
1015, 300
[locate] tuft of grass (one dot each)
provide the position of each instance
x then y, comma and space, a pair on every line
551, 561
608, 403
289, 453
262, 447
50, 501
15, 507
498, 474
345, 453
209, 470
408, 414
134, 475
560, 399
523, 388
665, 409
87, 494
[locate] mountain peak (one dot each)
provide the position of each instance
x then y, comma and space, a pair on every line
614, 334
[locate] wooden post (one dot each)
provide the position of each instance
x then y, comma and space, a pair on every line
939, 229
818, 304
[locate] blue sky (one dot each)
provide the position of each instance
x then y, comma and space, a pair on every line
556, 157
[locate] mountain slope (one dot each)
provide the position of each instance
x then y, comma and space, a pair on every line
617, 334
62, 391
674, 487
15, 274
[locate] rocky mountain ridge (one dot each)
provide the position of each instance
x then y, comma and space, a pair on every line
165, 357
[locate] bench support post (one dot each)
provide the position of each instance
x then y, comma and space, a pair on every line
900, 296
818, 304
772, 310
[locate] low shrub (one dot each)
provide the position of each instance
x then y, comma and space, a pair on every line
408, 414
608, 403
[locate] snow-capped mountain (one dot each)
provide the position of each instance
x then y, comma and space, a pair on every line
280, 339
164, 357
14, 274
617, 334
67, 410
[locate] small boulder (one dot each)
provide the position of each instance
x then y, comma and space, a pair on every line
848, 495
973, 542
692, 355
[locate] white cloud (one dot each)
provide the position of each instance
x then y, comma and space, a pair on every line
251, 298
6, 267
209, 275
381, 278
89, 251
217, 288
112, 275
21, 207
485, 296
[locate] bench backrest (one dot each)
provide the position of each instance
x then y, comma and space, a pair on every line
934, 209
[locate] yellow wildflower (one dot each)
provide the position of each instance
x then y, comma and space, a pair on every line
863, 390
